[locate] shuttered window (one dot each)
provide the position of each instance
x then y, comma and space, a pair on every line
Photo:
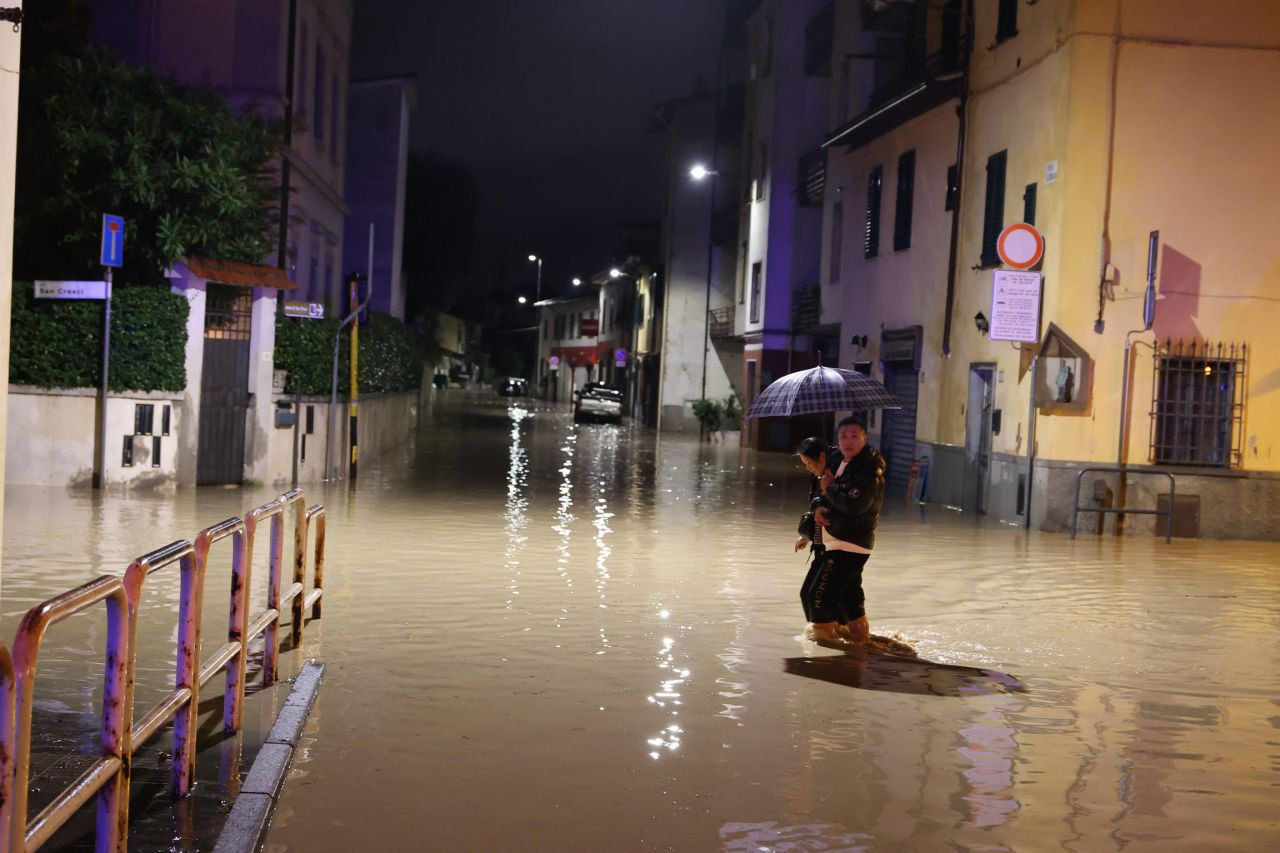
993, 218
1007, 20
1029, 205
952, 187
871, 242
902, 209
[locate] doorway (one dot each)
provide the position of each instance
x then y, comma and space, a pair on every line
224, 385
898, 426
977, 437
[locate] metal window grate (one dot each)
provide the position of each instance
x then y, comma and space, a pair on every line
228, 312
1197, 406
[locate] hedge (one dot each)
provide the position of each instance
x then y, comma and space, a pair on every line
58, 343
391, 355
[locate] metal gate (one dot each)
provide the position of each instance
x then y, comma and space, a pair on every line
224, 385
898, 431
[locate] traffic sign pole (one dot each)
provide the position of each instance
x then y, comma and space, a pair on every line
106, 367
110, 255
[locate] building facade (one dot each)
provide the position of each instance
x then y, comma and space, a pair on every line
241, 49
779, 228
1115, 128
378, 116
567, 356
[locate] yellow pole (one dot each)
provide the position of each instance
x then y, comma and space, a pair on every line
355, 384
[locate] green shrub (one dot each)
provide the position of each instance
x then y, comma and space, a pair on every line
391, 355
58, 343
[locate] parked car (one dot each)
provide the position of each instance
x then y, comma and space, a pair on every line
598, 402
513, 386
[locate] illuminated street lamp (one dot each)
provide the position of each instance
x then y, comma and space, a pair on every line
522, 300
576, 281
537, 260
699, 172
614, 272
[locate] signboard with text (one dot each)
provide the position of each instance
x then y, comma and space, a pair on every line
590, 327
71, 290
1015, 306
305, 310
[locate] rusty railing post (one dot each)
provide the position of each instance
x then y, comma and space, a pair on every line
271, 637
237, 625
187, 676
8, 733
315, 516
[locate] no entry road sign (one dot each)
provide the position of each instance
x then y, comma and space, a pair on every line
112, 254
1020, 246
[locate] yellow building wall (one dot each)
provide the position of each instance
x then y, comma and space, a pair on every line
1196, 114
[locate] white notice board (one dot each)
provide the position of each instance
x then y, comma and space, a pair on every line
1015, 306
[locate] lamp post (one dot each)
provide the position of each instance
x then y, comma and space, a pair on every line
538, 260
700, 172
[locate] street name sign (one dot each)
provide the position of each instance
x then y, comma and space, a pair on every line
305, 310
1020, 246
1015, 306
71, 290
112, 254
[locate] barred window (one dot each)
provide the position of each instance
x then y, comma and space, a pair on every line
1198, 404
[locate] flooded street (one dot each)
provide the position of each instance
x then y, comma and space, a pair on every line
547, 636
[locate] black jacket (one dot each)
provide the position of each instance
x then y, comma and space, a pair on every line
854, 499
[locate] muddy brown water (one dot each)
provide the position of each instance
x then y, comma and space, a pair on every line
548, 636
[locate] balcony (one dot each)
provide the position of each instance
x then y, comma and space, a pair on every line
806, 308
720, 322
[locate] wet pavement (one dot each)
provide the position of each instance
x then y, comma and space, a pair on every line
548, 636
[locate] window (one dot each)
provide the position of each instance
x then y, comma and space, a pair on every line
1007, 22
742, 277
871, 242
953, 187
1198, 404
749, 168
313, 273
768, 48
333, 121
329, 286
819, 35
317, 117
837, 238
300, 73
1029, 204
757, 282
993, 218
902, 208
764, 170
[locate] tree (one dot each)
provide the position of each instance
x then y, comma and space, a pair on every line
98, 136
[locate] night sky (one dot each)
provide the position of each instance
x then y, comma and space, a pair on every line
547, 103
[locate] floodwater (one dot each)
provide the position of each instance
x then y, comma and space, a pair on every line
547, 636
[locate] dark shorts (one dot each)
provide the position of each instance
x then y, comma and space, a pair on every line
832, 591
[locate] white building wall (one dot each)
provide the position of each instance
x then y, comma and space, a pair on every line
10, 49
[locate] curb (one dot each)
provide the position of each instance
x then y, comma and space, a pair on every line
247, 822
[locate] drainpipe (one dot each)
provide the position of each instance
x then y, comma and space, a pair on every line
282, 246
1148, 320
962, 110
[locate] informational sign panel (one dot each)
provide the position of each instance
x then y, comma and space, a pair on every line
305, 310
1015, 306
590, 327
112, 254
71, 290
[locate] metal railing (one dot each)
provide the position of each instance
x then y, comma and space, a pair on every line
720, 322
1076, 509
121, 735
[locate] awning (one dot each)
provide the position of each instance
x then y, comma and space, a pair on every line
239, 274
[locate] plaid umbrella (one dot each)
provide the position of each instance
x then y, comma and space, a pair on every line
821, 389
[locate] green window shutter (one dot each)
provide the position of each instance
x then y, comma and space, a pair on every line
1029, 205
993, 218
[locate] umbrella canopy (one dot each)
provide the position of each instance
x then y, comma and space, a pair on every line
821, 389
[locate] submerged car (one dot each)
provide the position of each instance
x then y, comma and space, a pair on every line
513, 386
598, 402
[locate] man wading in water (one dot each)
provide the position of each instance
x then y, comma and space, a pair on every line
848, 511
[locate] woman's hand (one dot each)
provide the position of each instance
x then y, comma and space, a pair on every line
801, 542
828, 477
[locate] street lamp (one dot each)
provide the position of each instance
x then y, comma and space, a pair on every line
522, 300
537, 260
699, 171
576, 281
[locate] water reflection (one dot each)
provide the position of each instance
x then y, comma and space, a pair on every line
668, 696
517, 506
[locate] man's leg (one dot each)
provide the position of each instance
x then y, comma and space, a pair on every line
850, 597
822, 604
